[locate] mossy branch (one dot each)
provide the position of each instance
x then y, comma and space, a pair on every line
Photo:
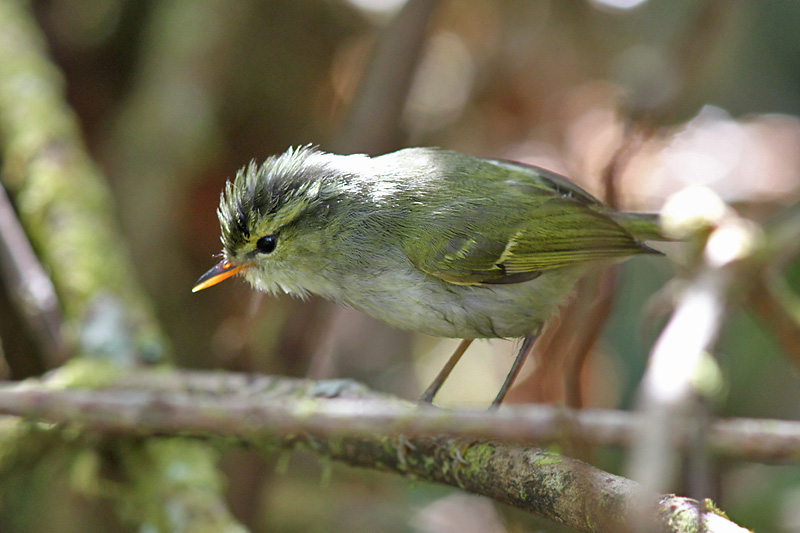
63, 202
65, 207
349, 423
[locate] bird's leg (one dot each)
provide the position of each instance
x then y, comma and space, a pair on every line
525, 349
430, 392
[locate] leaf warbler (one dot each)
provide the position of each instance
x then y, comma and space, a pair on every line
423, 239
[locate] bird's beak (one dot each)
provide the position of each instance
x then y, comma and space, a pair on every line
219, 272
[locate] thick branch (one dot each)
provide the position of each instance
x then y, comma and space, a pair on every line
65, 207
364, 429
63, 201
247, 407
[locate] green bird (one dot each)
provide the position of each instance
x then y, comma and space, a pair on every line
424, 239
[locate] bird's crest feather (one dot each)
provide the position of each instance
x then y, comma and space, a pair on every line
263, 198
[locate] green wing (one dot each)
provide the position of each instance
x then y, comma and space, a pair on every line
513, 233
562, 232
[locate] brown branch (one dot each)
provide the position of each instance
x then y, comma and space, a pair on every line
585, 333
246, 406
31, 288
770, 296
779, 307
372, 123
366, 429
747, 439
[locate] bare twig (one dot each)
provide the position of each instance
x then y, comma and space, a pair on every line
586, 334
31, 287
371, 126
735, 260
780, 309
667, 390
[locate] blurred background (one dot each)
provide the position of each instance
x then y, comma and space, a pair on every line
174, 96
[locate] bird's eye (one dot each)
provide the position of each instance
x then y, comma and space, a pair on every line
267, 244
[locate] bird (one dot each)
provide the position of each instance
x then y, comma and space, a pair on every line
424, 239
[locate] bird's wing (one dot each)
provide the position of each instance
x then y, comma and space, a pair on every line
511, 247
547, 179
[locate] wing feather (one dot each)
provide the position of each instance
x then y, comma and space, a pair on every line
514, 221
557, 232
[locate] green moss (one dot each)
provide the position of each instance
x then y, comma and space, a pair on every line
544, 458
87, 374
709, 506
476, 456
60, 195
173, 486
305, 407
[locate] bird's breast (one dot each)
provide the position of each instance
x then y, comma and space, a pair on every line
419, 302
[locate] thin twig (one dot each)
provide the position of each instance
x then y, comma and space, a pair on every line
780, 308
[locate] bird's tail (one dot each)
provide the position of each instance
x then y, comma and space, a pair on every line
643, 226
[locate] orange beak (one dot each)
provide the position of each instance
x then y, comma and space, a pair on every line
219, 272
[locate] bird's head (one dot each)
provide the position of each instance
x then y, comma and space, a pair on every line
274, 218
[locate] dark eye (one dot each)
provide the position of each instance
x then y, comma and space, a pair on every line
267, 244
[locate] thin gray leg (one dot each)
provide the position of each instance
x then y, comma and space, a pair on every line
524, 350
430, 392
